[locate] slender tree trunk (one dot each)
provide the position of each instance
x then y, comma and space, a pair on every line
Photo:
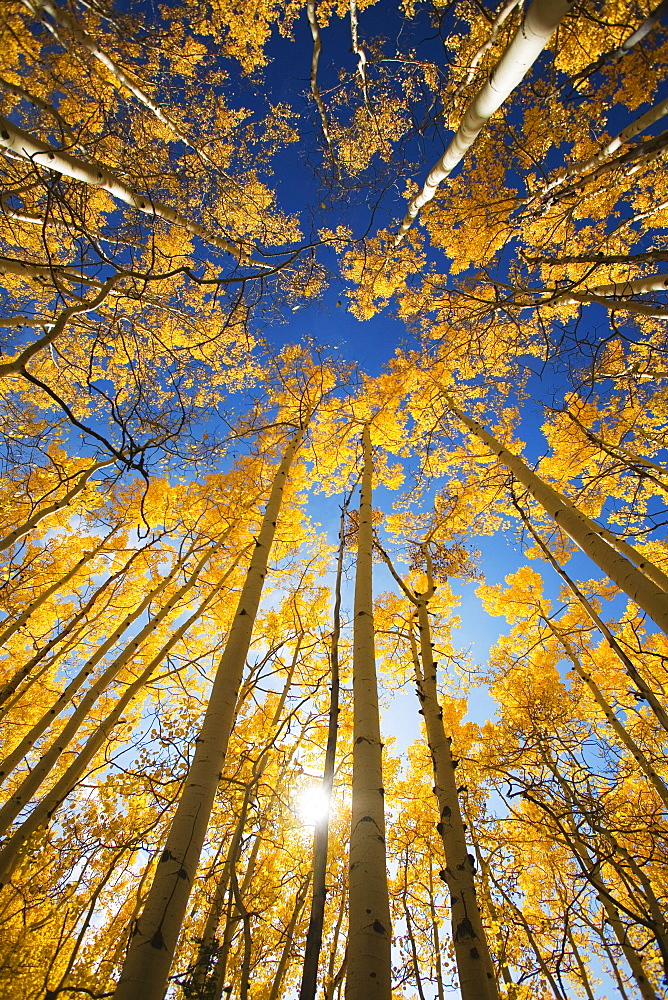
19, 622
146, 969
54, 507
44, 810
582, 977
332, 978
647, 906
122, 80
215, 910
50, 757
580, 529
417, 978
477, 977
232, 920
321, 833
474, 963
16, 756
614, 965
531, 938
495, 918
630, 951
284, 960
436, 940
536, 29
369, 975
618, 729
26, 669
628, 664
96, 175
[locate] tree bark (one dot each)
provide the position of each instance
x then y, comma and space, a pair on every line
369, 975
146, 969
97, 175
106, 677
535, 31
623, 573
54, 507
474, 963
321, 833
19, 622
44, 810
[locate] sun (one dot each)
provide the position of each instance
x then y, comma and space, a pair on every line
312, 805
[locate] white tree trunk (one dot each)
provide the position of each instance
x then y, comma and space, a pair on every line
474, 964
581, 530
369, 975
19, 622
533, 34
50, 758
44, 810
146, 969
97, 175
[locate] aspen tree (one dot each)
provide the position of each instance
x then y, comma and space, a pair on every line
300, 899
369, 969
477, 980
321, 834
582, 531
97, 175
643, 688
618, 729
538, 26
99, 686
57, 585
25, 670
44, 810
52, 508
146, 968
591, 868
215, 910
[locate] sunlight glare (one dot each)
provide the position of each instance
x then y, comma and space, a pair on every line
312, 805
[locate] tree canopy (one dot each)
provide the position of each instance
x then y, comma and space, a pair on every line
241, 513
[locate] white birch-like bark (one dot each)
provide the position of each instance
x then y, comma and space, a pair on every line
537, 27
41, 273
628, 44
633, 129
96, 175
618, 729
19, 622
617, 295
634, 674
475, 968
122, 78
17, 91
18, 364
369, 975
474, 962
146, 969
46, 807
360, 53
489, 43
10, 687
50, 758
315, 90
16, 756
616, 305
581, 530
